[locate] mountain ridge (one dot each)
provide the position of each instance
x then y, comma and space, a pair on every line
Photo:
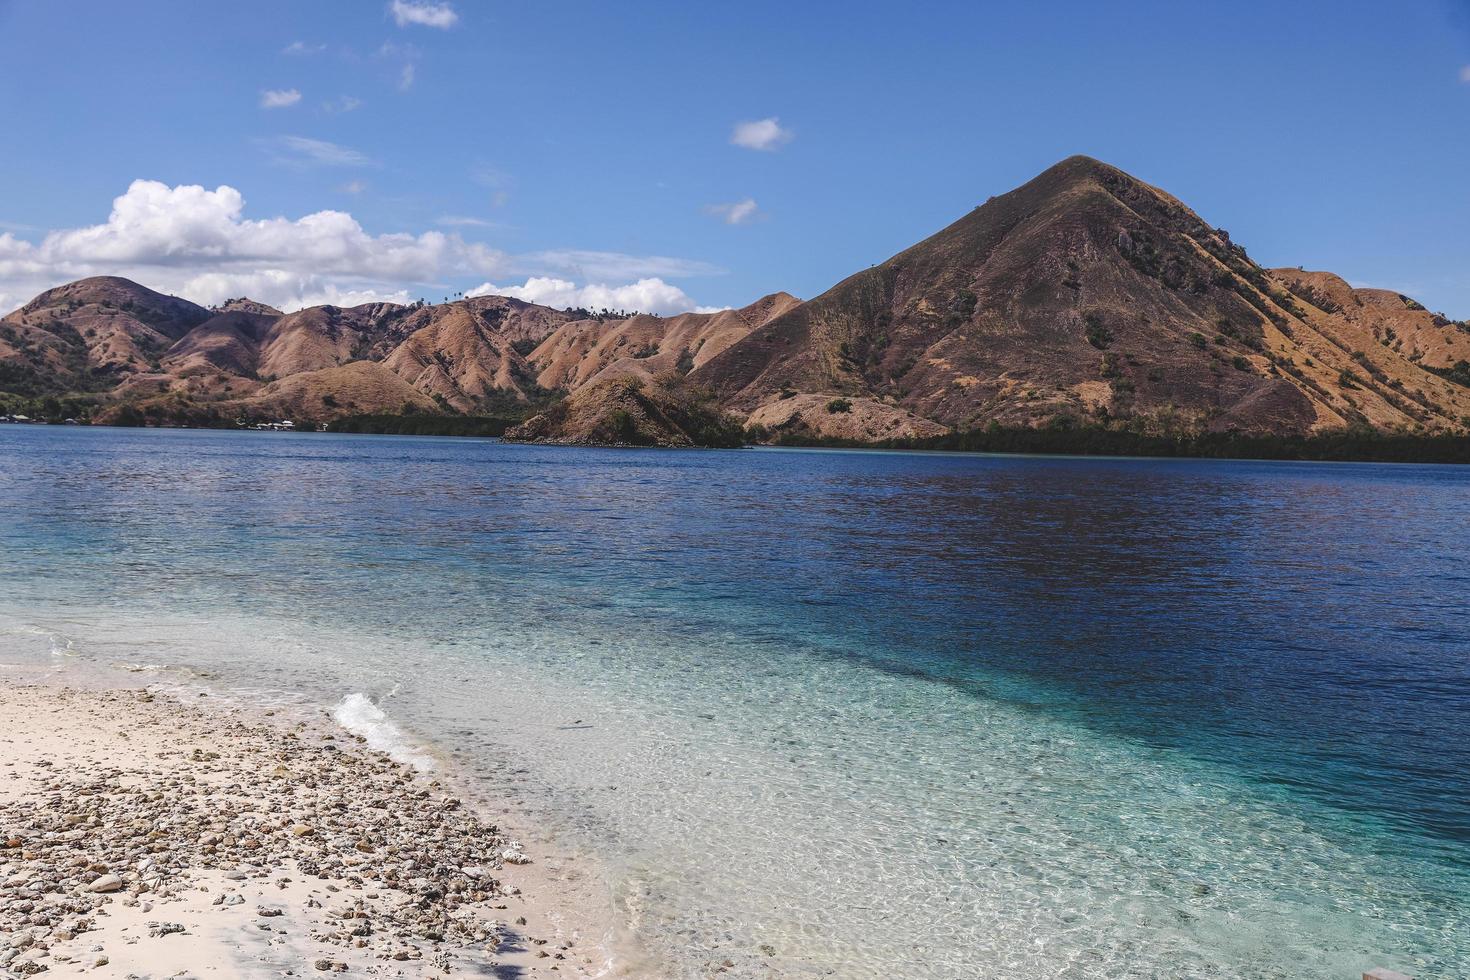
1085, 296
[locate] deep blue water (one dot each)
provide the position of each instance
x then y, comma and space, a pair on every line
1040, 659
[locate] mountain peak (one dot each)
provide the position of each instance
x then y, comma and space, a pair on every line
1081, 163
244, 304
1087, 294
1080, 172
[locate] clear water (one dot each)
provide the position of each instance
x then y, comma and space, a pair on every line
883, 715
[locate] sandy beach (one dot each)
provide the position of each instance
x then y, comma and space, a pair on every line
143, 835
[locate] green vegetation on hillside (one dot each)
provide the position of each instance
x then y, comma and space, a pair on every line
666, 411
50, 408
1358, 444
423, 425
1459, 374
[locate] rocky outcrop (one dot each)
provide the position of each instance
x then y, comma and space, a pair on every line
832, 416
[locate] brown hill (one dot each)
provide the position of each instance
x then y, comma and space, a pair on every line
228, 343
90, 334
321, 337
176, 362
462, 354
1087, 294
358, 388
852, 419
244, 304
587, 351
632, 412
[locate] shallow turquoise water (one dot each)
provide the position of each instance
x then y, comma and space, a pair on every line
933, 716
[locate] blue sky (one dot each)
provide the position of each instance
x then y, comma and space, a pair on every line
555, 147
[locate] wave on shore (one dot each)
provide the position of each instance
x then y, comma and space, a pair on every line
360, 716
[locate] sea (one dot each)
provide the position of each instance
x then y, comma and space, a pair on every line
840, 714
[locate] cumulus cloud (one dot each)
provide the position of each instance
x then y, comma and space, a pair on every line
738, 213
198, 243
292, 290
440, 15
761, 134
279, 98
302, 151
651, 295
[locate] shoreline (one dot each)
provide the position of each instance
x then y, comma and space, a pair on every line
1383, 448
154, 833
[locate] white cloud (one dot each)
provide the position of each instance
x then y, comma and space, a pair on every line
761, 134
302, 48
301, 151
346, 103
463, 221
1465, 74
353, 187
279, 98
291, 290
651, 295
440, 15
330, 295
406, 77
738, 213
198, 243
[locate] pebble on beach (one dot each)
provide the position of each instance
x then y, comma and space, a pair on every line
360, 853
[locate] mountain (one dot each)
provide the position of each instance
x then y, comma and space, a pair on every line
355, 388
587, 351
244, 304
629, 411
89, 335
228, 343
248, 359
468, 353
321, 337
1082, 297
1087, 294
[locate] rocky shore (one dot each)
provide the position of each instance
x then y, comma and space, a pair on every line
144, 836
